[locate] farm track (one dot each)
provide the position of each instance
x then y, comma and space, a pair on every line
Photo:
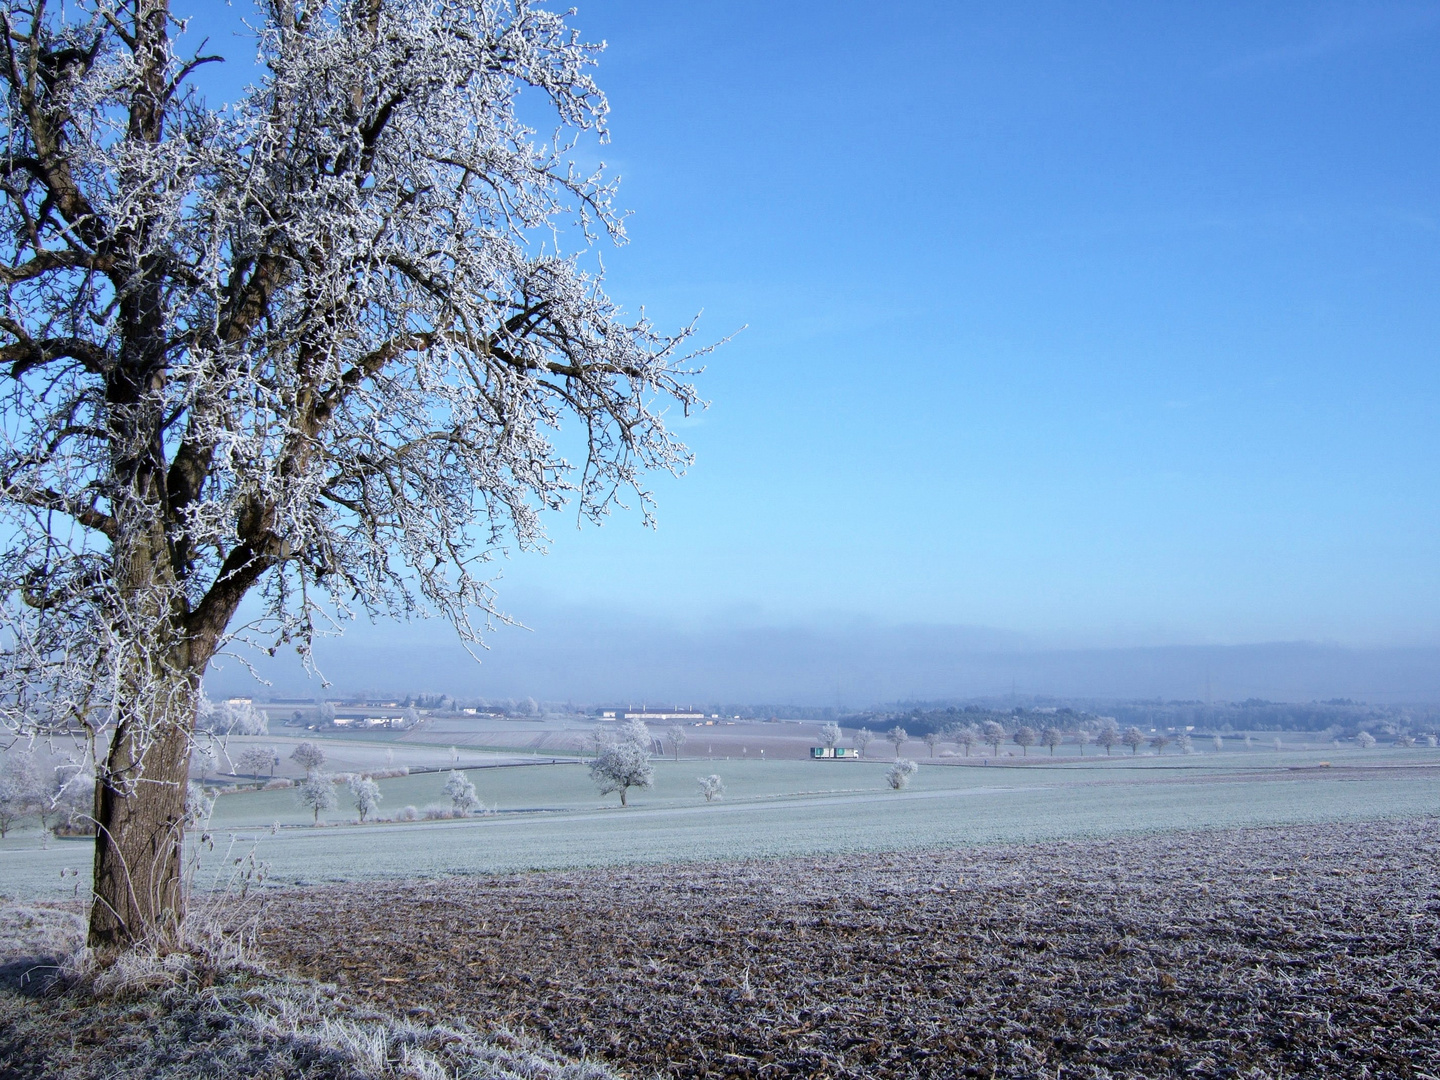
1303, 950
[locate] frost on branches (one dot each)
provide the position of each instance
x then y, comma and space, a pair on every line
622, 759
314, 348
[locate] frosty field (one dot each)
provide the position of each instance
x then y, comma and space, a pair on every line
549, 817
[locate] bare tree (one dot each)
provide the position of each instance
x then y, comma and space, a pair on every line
624, 761
309, 757
898, 737
1183, 744
255, 759
1365, 740
1133, 739
366, 794
863, 738
311, 349
830, 734
898, 775
1159, 742
1052, 737
932, 740
1024, 738
712, 787
993, 734
316, 792
461, 793
676, 734
965, 736
1083, 737
1219, 743
20, 790
1108, 736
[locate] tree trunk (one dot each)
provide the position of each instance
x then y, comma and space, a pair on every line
622, 796
138, 835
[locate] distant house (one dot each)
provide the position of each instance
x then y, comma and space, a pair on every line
835, 752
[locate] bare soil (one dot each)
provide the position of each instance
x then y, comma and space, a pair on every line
1308, 950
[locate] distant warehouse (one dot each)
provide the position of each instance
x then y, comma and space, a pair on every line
834, 752
652, 714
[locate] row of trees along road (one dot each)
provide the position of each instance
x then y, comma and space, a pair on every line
305, 350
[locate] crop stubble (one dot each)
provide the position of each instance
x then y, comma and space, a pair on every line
1258, 952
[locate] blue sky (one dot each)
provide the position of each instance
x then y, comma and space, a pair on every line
1101, 324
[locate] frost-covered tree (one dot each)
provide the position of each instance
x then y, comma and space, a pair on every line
309, 757
257, 759
965, 736
623, 760
897, 737
712, 787
1219, 743
1159, 742
230, 718
1108, 736
1133, 739
461, 793
365, 793
1183, 743
312, 349
898, 775
1365, 740
1083, 737
863, 738
830, 734
676, 734
21, 790
1024, 738
993, 734
317, 792
932, 740
1052, 737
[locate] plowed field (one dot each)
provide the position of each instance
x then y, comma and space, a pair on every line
1305, 950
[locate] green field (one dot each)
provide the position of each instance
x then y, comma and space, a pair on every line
549, 816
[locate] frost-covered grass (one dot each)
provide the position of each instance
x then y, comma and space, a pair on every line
782, 808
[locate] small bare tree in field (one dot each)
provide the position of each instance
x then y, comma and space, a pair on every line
1183, 743
461, 793
21, 790
257, 759
898, 737
1024, 738
309, 350
1159, 742
898, 775
1219, 743
366, 794
1082, 739
1052, 737
994, 735
863, 738
1133, 739
932, 740
316, 792
623, 761
1108, 736
309, 757
676, 734
712, 787
1365, 740
965, 736
830, 734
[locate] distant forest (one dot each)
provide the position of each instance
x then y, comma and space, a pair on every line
1339, 718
